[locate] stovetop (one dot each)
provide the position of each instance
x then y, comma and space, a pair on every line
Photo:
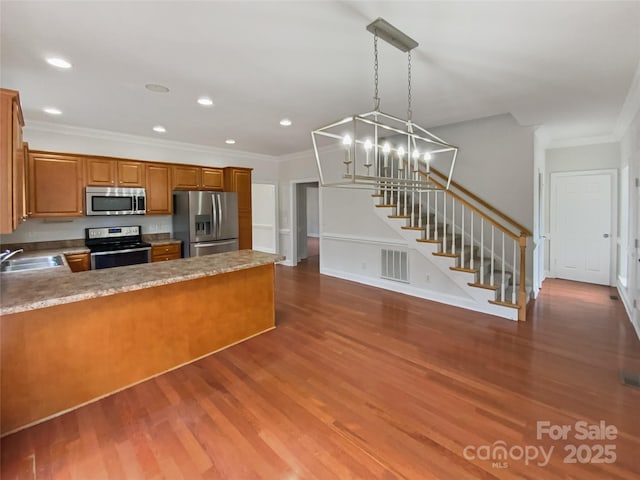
111, 239
114, 247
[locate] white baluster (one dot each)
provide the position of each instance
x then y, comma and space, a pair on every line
493, 256
514, 270
502, 260
462, 238
420, 208
398, 208
453, 225
435, 214
472, 262
482, 250
444, 221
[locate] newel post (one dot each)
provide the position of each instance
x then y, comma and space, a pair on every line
522, 291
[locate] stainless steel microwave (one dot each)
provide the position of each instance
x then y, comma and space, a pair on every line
115, 201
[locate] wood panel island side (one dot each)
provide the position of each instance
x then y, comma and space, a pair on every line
70, 338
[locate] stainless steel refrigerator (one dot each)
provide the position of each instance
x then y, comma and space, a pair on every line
206, 222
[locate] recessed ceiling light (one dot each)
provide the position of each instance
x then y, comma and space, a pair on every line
52, 111
229, 141
285, 122
159, 129
205, 101
58, 62
156, 88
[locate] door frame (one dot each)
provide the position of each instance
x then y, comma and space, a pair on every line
293, 213
613, 227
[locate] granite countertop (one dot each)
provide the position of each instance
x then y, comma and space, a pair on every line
23, 291
165, 241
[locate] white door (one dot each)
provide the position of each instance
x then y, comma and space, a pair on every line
581, 226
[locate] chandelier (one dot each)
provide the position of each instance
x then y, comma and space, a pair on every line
379, 151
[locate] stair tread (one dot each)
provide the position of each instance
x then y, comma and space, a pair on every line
486, 286
385, 206
399, 216
425, 240
462, 269
412, 228
504, 304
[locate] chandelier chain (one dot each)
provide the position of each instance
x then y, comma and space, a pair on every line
409, 112
376, 98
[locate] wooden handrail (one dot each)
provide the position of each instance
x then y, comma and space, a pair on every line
501, 227
492, 209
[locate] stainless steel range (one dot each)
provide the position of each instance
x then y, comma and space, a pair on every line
116, 246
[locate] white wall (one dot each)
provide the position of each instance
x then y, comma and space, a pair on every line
630, 157
313, 212
264, 212
538, 242
568, 159
496, 162
43, 136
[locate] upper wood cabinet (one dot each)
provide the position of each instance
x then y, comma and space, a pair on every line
186, 177
131, 173
212, 178
56, 184
190, 177
238, 180
109, 172
101, 172
12, 162
159, 194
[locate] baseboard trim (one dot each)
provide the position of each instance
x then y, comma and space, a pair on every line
497, 311
622, 293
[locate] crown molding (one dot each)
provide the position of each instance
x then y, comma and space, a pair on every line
582, 141
147, 141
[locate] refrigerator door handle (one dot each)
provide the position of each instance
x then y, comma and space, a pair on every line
214, 218
215, 244
220, 217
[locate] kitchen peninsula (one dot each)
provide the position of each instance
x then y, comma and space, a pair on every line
70, 338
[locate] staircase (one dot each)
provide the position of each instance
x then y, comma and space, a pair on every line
473, 243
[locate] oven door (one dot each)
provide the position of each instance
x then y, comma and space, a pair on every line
120, 258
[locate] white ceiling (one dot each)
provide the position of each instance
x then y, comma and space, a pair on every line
565, 65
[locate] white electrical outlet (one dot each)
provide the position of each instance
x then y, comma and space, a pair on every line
364, 266
428, 278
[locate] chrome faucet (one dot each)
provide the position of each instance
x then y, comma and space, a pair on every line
7, 254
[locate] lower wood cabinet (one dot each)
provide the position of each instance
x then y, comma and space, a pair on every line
162, 253
79, 262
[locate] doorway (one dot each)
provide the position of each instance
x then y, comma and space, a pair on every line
306, 232
582, 216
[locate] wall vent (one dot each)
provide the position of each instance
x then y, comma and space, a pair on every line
394, 265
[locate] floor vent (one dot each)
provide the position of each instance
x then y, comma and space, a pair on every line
630, 378
394, 265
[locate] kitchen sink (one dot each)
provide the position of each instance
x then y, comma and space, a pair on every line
33, 263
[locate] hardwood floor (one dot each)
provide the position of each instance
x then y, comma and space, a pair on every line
357, 382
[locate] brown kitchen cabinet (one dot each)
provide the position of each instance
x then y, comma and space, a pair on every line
186, 177
13, 208
212, 178
237, 179
190, 177
110, 172
101, 172
158, 184
79, 262
56, 184
162, 253
131, 173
